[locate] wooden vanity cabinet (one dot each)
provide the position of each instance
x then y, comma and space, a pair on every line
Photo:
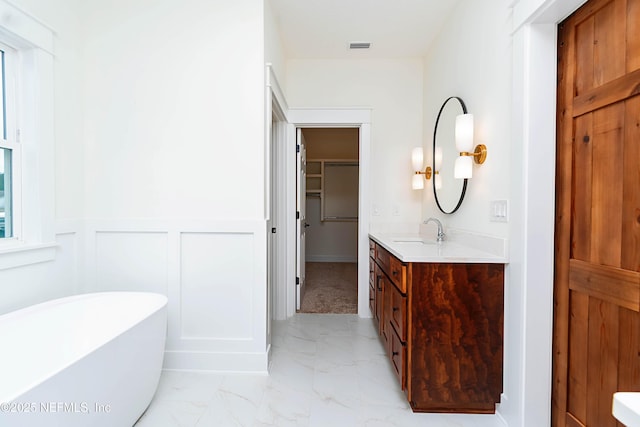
442, 327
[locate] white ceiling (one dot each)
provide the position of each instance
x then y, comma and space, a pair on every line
324, 28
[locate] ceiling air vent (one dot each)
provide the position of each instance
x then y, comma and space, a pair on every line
359, 45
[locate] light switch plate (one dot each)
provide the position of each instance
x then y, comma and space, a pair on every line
499, 211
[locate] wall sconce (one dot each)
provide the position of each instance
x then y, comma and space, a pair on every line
417, 160
463, 167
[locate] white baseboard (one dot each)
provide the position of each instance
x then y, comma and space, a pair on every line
200, 361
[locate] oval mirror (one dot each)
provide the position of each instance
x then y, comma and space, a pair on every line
447, 190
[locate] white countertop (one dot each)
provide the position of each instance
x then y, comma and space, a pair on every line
626, 408
418, 248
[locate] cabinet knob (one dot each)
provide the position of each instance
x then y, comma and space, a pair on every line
395, 273
395, 353
395, 309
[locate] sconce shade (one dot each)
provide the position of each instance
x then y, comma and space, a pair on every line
438, 182
438, 159
464, 133
463, 167
417, 158
417, 183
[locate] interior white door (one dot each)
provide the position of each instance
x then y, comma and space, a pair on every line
301, 220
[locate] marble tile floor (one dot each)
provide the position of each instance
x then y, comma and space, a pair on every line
326, 371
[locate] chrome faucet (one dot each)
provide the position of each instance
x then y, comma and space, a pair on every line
441, 234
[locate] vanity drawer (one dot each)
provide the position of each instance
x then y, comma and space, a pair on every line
382, 257
378, 288
372, 249
398, 312
398, 273
395, 269
372, 300
398, 354
372, 273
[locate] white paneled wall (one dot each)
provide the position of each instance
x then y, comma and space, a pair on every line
173, 125
214, 274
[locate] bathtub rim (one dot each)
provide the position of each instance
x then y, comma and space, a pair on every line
11, 395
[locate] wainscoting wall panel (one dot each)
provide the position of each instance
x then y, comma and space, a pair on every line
217, 285
214, 274
132, 261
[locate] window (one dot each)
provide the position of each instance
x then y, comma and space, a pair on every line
9, 147
27, 212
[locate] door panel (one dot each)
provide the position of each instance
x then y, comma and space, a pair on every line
582, 190
606, 205
633, 43
602, 354
631, 196
597, 274
578, 343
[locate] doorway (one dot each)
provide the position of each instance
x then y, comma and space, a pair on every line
325, 118
330, 276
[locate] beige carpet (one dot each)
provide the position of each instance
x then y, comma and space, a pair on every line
331, 287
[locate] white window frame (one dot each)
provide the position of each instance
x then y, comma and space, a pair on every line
33, 176
12, 142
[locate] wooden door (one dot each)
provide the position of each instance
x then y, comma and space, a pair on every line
597, 284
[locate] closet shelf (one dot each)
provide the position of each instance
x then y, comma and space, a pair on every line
335, 183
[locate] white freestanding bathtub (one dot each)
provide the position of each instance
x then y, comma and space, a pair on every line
86, 360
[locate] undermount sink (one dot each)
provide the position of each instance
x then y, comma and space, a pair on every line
413, 240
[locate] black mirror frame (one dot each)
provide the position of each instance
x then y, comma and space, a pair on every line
435, 132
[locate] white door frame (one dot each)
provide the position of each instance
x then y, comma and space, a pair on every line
526, 401
328, 118
276, 136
